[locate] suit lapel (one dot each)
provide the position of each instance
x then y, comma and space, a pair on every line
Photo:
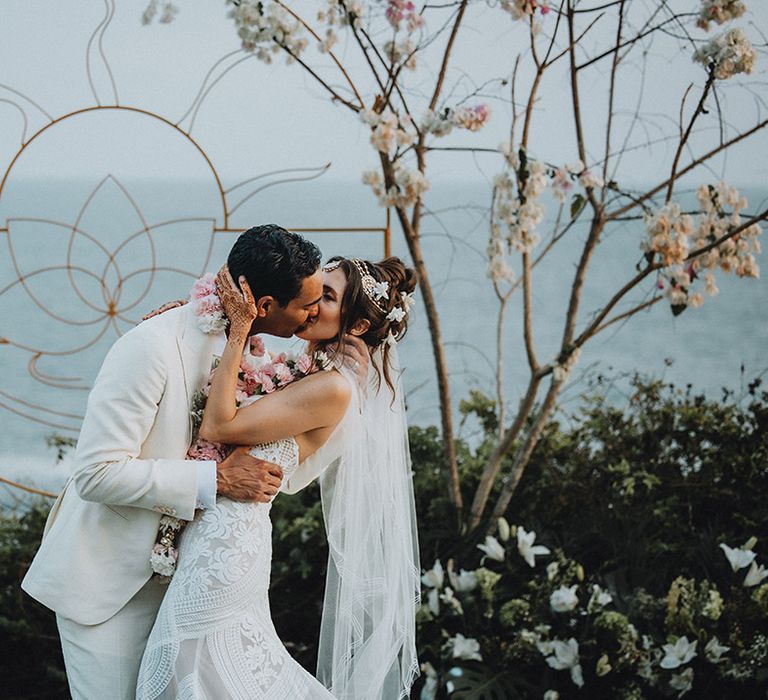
196, 354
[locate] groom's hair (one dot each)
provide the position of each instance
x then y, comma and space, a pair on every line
273, 261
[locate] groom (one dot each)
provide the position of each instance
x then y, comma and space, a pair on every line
129, 468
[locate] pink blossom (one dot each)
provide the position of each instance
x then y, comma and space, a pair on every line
544, 9
471, 118
209, 304
204, 450
258, 348
305, 364
267, 384
277, 359
283, 373
205, 286
267, 370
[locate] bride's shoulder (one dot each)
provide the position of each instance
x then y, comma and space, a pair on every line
327, 386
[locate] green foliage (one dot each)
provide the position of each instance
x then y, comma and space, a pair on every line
634, 499
31, 665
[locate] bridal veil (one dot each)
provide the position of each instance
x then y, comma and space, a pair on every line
368, 638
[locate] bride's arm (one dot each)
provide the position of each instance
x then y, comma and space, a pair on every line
317, 401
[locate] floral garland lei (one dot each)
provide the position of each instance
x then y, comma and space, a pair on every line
260, 373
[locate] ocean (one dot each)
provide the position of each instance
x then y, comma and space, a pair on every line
58, 315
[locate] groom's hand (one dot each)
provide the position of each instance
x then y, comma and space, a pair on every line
242, 477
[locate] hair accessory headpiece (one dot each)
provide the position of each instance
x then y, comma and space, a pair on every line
373, 290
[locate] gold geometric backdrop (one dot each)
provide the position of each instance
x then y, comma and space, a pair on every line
85, 258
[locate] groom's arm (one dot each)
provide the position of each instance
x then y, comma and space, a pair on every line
121, 411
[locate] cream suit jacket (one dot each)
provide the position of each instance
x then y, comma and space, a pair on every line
129, 468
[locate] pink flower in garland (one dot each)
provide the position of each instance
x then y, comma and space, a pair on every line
257, 346
304, 363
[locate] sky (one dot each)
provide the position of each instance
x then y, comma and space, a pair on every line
259, 117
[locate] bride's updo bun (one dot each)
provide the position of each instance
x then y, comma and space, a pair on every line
380, 292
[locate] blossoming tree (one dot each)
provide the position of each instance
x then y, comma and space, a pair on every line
398, 76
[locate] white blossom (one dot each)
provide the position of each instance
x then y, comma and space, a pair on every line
679, 653
755, 575
396, 314
462, 647
492, 548
380, 290
566, 657
551, 695
714, 650
564, 599
738, 558
464, 581
527, 549
719, 12
599, 598
682, 681
435, 576
552, 568
728, 53
451, 600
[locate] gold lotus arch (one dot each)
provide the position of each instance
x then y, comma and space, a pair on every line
110, 311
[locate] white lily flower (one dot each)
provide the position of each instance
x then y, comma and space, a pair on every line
714, 650
465, 648
396, 314
408, 300
464, 581
380, 290
527, 549
566, 656
679, 653
599, 598
564, 599
492, 548
755, 575
434, 577
682, 681
390, 339
738, 558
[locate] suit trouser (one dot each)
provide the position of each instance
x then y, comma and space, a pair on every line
103, 660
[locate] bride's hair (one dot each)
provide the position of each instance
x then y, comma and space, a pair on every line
357, 302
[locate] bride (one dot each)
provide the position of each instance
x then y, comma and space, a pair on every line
213, 636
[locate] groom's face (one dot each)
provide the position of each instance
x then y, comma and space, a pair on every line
284, 321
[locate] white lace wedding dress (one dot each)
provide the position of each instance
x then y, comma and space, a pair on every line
214, 638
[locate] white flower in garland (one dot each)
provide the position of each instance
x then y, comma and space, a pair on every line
206, 305
679, 653
738, 558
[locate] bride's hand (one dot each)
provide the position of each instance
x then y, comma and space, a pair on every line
238, 303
